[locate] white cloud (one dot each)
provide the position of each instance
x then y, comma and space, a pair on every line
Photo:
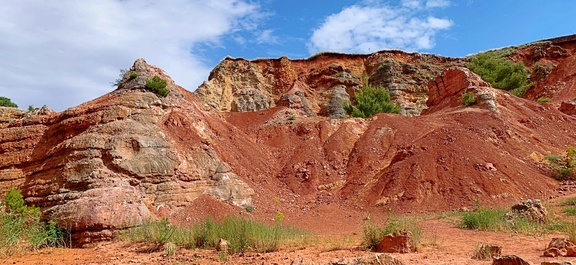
62, 53
437, 3
371, 26
266, 36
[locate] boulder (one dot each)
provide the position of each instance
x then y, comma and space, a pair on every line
510, 260
560, 247
401, 242
532, 210
568, 107
486, 252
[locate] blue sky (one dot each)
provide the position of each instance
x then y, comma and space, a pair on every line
62, 53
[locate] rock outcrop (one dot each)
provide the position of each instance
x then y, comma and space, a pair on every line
401, 242
532, 210
446, 90
568, 107
327, 81
110, 164
560, 247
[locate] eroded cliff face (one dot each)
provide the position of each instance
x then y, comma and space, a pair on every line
326, 81
274, 143
114, 162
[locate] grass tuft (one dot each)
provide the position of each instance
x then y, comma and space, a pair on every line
570, 211
568, 202
242, 234
484, 220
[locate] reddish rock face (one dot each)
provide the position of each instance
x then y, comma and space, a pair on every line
510, 260
131, 155
446, 90
568, 107
401, 242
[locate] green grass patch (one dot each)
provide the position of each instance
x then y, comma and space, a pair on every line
568, 202
570, 211
500, 220
242, 234
484, 219
543, 100
468, 99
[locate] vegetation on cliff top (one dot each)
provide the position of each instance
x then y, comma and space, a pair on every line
501, 72
6, 102
158, 86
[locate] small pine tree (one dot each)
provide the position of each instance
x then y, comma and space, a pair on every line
371, 100
118, 80
158, 86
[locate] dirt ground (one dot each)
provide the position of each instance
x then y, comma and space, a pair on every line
442, 242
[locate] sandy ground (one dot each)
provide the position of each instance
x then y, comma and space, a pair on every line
442, 243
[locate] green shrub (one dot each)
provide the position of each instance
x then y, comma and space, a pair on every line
371, 100
14, 201
468, 98
21, 227
371, 235
543, 100
158, 86
501, 72
6, 102
563, 166
133, 75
